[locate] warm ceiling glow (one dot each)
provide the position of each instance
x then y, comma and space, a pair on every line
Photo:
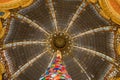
3, 1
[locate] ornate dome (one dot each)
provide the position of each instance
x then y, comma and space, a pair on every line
75, 27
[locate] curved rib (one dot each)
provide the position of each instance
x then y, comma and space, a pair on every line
24, 67
51, 59
54, 54
52, 11
105, 57
14, 44
76, 15
107, 28
89, 78
27, 20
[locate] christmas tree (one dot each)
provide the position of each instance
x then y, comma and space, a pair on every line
56, 69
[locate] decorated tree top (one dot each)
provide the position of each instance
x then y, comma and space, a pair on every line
56, 70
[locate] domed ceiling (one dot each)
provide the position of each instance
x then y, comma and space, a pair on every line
87, 37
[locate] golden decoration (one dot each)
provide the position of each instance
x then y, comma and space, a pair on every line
2, 30
2, 70
12, 4
118, 44
110, 9
92, 1
6, 5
